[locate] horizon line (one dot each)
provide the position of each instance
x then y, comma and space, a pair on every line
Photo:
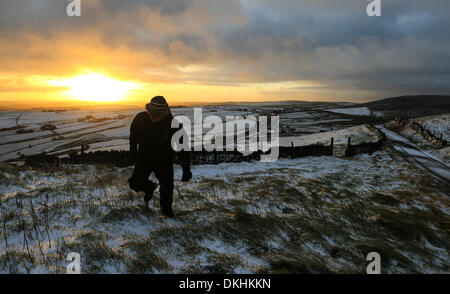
75, 106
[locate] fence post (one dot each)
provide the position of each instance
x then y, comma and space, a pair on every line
332, 146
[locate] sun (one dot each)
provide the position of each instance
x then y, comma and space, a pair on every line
95, 87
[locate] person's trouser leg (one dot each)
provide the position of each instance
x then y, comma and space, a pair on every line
139, 181
164, 174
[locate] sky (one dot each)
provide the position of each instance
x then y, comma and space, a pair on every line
127, 51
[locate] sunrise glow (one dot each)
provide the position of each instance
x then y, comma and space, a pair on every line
214, 51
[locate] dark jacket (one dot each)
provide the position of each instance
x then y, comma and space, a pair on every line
152, 141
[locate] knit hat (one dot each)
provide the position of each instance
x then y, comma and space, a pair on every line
158, 106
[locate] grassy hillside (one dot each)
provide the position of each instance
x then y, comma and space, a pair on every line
411, 106
309, 215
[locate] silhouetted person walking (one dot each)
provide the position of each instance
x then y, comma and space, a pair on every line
150, 146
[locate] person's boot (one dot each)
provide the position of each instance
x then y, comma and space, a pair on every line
149, 194
168, 211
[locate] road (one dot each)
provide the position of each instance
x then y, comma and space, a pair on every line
416, 156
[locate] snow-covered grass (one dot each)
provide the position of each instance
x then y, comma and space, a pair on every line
309, 215
72, 128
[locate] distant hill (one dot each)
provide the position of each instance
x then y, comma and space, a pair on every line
411, 106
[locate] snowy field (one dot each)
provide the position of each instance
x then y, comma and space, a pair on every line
307, 215
25, 133
310, 215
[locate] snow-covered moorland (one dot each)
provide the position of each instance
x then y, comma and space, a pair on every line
308, 215
26, 133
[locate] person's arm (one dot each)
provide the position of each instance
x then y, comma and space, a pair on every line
134, 137
184, 157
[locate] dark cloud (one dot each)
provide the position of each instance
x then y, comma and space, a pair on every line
334, 42
163, 6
